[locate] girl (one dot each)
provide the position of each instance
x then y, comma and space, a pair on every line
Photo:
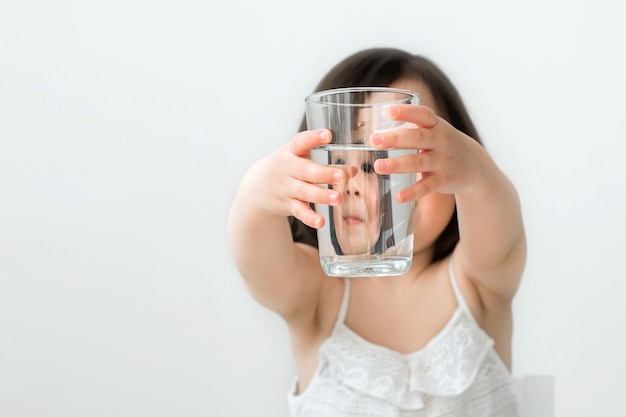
433, 342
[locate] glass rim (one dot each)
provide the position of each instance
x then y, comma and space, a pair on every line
316, 96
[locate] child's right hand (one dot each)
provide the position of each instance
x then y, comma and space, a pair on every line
287, 179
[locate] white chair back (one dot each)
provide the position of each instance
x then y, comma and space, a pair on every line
536, 393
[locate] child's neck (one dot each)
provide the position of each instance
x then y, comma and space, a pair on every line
420, 264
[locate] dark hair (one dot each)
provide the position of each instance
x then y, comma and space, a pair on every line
380, 67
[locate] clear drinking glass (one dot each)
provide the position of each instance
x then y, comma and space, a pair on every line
369, 233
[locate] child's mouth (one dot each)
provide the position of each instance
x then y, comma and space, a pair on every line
353, 220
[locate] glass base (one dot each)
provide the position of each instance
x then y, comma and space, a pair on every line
379, 267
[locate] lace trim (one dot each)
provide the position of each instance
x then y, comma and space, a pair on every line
446, 366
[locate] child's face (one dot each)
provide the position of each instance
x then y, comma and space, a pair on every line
357, 218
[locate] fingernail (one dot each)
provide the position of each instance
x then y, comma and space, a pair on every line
393, 112
377, 139
338, 177
325, 136
382, 165
334, 198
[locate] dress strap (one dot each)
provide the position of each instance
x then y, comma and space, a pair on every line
457, 292
343, 309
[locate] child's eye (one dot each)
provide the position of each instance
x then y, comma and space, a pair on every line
340, 162
367, 167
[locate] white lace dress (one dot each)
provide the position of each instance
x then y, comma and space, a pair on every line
458, 373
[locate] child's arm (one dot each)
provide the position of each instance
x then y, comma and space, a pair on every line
492, 247
284, 276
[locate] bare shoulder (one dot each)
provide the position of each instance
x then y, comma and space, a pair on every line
494, 284
492, 311
480, 299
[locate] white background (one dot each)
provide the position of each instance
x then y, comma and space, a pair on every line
125, 127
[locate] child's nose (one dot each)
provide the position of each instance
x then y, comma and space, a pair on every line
354, 187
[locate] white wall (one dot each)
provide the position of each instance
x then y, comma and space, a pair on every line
126, 125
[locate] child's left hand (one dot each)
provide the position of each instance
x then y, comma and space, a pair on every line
448, 160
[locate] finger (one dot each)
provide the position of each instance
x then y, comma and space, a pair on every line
404, 138
424, 161
303, 212
303, 142
422, 116
414, 134
312, 172
315, 194
428, 184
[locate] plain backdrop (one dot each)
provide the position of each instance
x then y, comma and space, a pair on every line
125, 127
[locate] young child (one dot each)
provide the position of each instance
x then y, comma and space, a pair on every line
435, 341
